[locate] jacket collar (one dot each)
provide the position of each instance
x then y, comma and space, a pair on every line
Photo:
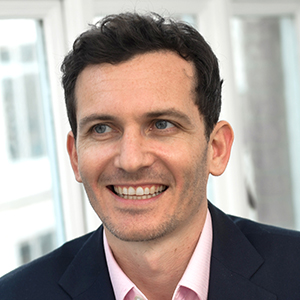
87, 276
234, 260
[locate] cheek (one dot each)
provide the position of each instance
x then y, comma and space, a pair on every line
180, 162
181, 154
173, 150
92, 161
193, 168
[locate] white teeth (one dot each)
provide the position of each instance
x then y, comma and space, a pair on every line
139, 192
131, 191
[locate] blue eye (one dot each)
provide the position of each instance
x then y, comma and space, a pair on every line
102, 128
163, 124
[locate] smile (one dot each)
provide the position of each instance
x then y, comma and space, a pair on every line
139, 192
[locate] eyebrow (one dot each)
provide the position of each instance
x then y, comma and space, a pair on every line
94, 117
169, 113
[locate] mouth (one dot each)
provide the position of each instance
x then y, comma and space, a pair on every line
138, 193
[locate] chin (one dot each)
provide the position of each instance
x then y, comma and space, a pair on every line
139, 235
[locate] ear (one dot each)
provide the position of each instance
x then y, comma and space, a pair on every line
220, 143
72, 150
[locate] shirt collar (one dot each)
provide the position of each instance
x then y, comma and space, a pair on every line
120, 282
195, 277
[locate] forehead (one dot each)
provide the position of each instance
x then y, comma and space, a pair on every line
155, 78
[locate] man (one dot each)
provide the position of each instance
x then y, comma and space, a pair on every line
143, 97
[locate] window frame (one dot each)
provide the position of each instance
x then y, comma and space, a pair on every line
51, 14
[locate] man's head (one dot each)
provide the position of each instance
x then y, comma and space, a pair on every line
119, 38
138, 143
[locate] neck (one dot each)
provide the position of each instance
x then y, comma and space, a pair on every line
157, 263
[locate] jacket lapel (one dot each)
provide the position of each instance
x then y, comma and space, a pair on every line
87, 276
234, 260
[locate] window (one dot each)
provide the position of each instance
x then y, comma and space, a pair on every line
21, 96
38, 246
267, 79
29, 191
39, 196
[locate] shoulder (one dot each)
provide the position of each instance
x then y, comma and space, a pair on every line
41, 274
263, 255
280, 250
268, 237
265, 238
278, 247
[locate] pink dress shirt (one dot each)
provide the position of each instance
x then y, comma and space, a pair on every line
192, 286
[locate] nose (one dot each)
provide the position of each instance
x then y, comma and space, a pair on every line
133, 153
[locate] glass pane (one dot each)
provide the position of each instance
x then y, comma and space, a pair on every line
29, 224
267, 81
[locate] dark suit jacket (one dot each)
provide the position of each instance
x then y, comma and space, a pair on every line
249, 261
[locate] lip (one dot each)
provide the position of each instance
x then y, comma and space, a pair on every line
135, 202
138, 192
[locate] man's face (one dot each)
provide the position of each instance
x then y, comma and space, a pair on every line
141, 150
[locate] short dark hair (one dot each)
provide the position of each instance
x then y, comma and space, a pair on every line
118, 38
